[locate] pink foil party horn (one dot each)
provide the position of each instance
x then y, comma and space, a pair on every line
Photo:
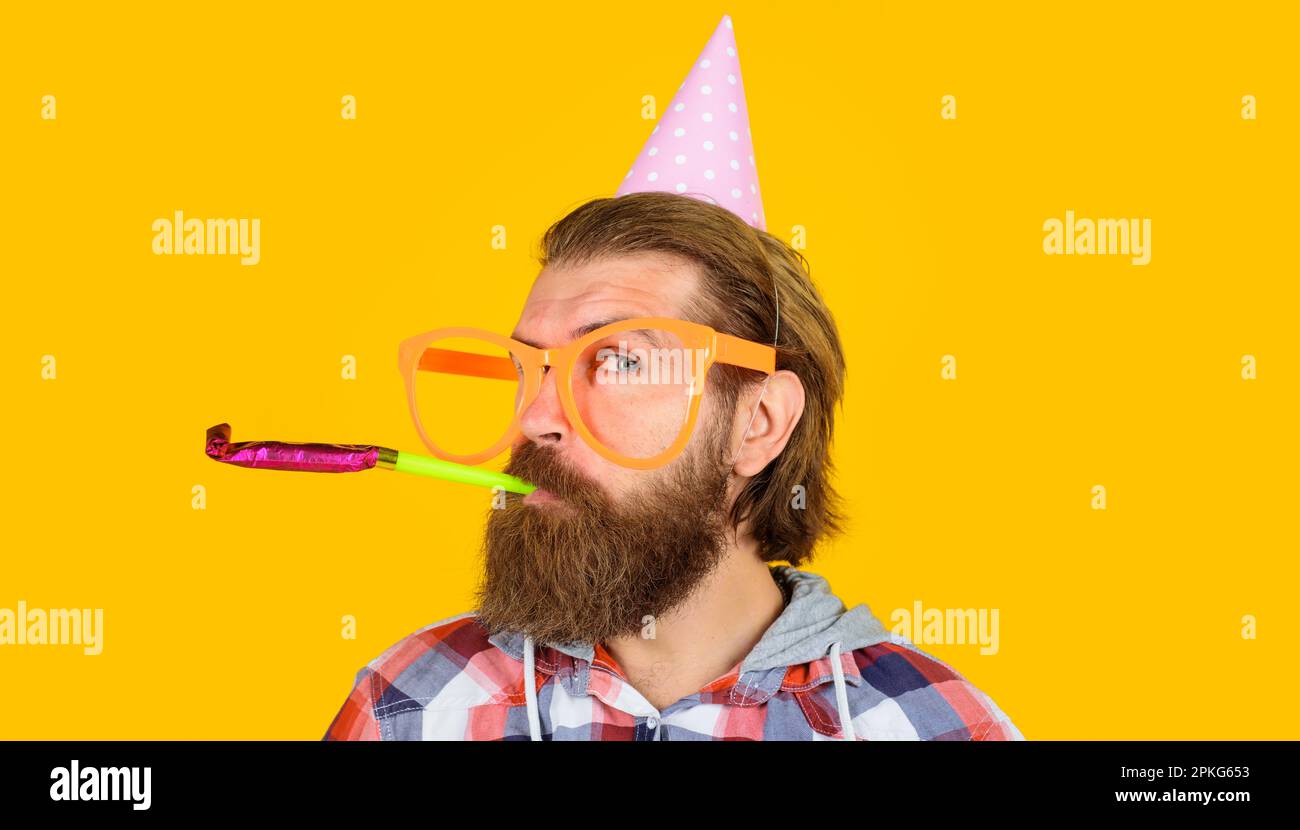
347, 458
288, 455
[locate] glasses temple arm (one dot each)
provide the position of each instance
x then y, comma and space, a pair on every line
450, 361
745, 353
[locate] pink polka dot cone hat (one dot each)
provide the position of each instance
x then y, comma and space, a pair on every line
702, 146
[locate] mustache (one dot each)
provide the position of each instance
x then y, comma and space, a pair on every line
544, 467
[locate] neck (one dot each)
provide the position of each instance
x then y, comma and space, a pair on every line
707, 635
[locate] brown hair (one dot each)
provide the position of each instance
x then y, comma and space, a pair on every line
744, 272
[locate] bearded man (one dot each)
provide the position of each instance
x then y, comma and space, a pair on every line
670, 390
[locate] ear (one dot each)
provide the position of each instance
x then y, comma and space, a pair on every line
779, 407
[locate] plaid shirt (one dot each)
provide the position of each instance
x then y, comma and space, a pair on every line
451, 681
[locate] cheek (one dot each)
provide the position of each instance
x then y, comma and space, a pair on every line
594, 468
639, 413
711, 429
619, 483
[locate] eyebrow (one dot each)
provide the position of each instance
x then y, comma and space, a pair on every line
586, 328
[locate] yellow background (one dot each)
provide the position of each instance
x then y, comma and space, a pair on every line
925, 236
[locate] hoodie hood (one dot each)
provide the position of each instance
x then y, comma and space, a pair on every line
813, 624
812, 620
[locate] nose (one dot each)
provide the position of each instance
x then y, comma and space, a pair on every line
544, 422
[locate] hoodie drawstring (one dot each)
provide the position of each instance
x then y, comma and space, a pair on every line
841, 694
530, 691
535, 725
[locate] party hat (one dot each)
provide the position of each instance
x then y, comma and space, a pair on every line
702, 146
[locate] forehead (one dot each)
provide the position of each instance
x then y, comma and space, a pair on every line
563, 300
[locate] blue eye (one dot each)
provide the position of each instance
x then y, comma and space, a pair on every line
623, 362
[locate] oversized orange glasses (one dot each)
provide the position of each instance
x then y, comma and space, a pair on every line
631, 389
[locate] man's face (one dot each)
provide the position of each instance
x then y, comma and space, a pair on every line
605, 546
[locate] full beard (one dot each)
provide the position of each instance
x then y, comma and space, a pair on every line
587, 569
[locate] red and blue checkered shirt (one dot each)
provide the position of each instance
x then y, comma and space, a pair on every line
453, 681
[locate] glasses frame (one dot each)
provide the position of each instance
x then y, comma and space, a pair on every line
414, 353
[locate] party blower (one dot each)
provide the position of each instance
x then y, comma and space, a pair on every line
349, 458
